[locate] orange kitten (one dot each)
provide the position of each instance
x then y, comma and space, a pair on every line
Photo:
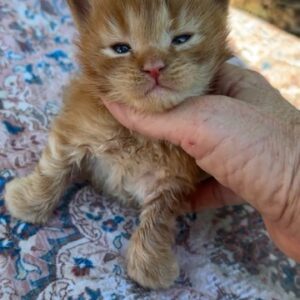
152, 55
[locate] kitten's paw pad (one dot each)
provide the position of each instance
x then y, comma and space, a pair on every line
22, 203
151, 269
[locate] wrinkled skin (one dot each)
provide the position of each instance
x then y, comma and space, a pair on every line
248, 140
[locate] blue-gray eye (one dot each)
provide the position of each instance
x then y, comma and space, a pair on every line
181, 39
121, 48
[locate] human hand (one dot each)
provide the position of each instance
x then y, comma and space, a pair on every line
248, 140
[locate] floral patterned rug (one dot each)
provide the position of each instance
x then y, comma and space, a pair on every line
79, 253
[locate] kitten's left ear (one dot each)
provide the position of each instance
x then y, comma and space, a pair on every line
224, 3
80, 10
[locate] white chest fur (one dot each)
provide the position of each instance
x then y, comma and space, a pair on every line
139, 173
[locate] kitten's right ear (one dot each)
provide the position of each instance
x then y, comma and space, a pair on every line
80, 10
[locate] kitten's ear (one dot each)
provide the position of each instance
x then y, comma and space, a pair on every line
224, 3
80, 10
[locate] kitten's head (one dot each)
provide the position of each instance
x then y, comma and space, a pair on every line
151, 54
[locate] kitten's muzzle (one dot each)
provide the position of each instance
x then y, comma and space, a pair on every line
154, 68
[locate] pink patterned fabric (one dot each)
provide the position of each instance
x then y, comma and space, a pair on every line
79, 253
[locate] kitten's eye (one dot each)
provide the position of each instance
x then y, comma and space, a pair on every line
121, 48
181, 39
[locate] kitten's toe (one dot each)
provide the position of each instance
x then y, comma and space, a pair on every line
149, 268
23, 203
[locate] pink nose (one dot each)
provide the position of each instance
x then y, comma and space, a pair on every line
154, 68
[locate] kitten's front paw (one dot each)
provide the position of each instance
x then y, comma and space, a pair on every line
150, 268
22, 202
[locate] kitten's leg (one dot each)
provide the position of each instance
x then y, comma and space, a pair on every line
33, 198
151, 261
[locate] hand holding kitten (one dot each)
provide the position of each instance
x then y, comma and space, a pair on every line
247, 140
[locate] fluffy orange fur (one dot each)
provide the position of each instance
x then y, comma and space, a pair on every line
85, 138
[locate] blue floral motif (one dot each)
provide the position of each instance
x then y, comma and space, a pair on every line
14, 233
94, 294
83, 262
89, 294
183, 227
2, 185
6, 243
30, 76
23, 231
62, 60
117, 270
94, 216
116, 297
82, 266
111, 225
13, 129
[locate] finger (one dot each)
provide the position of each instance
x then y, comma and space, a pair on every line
288, 243
198, 125
159, 126
230, 80
211, 194
164, 125
227, 77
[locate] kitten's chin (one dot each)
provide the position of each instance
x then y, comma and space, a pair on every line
155, 99
159, 91
159, 100
161, 97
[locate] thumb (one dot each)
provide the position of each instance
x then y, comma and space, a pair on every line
198, 125
161, 126
211, 194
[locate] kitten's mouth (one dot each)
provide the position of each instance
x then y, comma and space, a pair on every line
158, 88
